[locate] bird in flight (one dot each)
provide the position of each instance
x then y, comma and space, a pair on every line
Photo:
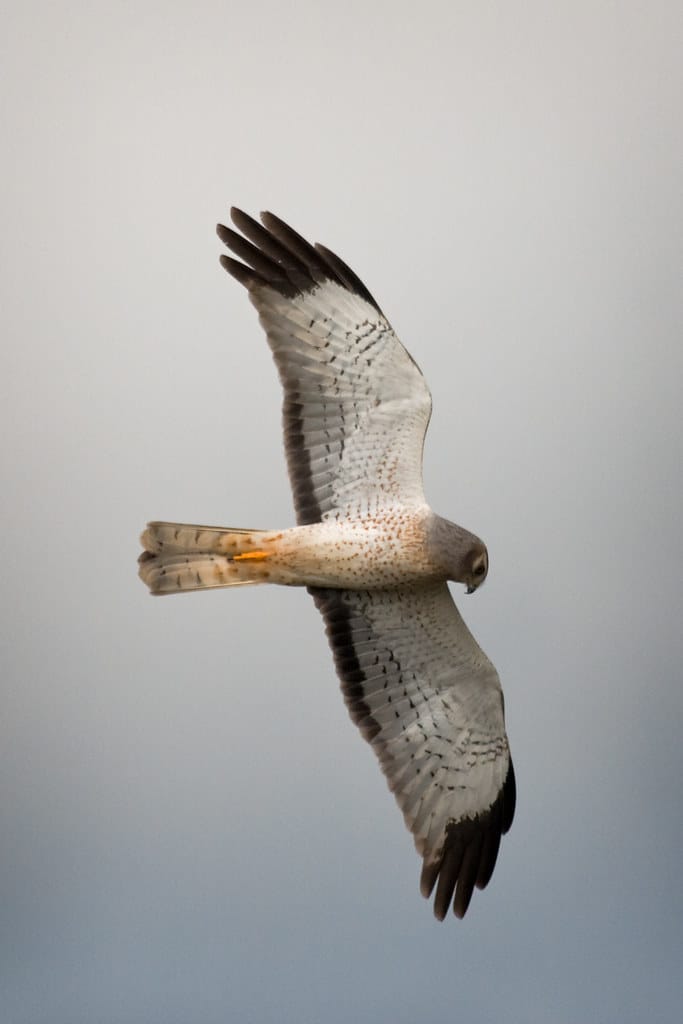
371, 552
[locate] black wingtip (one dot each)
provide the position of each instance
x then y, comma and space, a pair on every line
283, 259
469, 854
428, 877
245, 275
241, 219
467, 876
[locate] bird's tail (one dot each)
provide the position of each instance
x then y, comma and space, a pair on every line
180, 557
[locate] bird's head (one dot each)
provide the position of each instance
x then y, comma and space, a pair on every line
461, 555
477, 568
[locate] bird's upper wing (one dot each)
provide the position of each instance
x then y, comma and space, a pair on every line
428, 700
356, 405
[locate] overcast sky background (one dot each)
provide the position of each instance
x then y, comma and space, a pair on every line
192, 829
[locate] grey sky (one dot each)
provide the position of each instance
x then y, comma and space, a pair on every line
192, 828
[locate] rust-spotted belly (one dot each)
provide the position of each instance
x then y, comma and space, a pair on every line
371, 553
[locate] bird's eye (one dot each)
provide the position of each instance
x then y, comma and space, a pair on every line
480, 570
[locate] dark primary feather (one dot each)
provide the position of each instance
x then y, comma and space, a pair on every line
469, 855
280, 258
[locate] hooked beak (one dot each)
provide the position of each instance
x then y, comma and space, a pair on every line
470, 590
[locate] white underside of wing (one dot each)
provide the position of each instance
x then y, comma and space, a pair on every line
356, 404
430, 702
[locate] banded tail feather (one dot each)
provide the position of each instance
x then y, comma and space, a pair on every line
181, 557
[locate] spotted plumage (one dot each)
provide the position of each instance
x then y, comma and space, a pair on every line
371, 552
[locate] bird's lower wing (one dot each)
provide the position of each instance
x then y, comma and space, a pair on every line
428, 700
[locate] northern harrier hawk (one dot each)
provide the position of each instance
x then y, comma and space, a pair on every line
372, 553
